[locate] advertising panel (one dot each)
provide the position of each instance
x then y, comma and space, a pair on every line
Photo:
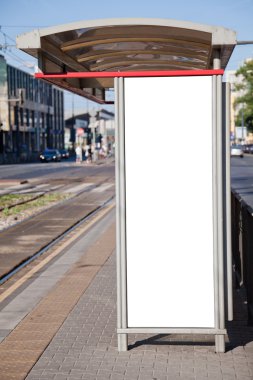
169, 218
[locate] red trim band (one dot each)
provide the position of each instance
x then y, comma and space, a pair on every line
124, 74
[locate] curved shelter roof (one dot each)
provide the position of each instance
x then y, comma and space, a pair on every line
130, 44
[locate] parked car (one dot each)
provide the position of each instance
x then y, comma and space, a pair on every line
64, 153
50, 155
236, 151
250, 149
247, 148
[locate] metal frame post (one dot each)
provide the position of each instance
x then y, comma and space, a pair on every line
121, 214
218, 204
227, 202
215, 206
228, 208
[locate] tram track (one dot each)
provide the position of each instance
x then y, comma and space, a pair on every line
57, 240
19, 203
60, 220
64, 188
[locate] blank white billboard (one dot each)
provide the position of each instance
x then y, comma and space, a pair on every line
169, 221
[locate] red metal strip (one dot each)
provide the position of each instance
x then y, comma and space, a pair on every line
124, 74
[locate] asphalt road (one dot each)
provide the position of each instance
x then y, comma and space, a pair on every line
242, 177
61, 169
29, 171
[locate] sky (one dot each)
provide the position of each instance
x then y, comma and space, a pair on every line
20, 16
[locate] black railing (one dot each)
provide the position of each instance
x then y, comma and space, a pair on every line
242, 247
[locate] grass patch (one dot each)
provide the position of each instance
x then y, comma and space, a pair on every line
45, 200
12, 199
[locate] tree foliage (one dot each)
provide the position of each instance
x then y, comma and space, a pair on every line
246, 99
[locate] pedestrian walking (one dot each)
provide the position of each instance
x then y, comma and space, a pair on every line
78, 154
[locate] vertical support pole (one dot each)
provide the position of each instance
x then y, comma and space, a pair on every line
224, 184
228, 208
219, 267
120, 214
117, 174
215, 210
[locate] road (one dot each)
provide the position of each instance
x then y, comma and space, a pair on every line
242, 177
33, 170
60, 176
90, 186
63, 169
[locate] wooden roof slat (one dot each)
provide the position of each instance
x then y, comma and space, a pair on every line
94, 55
112, 64
77, 44
133, 30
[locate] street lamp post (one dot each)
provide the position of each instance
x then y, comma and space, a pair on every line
242, 125
92, 125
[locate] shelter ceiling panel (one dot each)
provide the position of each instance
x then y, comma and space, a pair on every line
94, 54
131, 31
112, 64
125, 45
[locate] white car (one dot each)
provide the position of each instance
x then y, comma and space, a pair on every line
236, 151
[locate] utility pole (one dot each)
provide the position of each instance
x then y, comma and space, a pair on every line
19, 102
16, 112
242, 125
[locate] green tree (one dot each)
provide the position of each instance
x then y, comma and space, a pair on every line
246, 99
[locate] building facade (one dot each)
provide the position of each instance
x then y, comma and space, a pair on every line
95, 128
239, 133
31, 115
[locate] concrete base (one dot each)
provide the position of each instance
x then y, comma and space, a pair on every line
219, 343
122, 342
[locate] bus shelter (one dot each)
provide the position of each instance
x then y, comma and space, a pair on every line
174, 267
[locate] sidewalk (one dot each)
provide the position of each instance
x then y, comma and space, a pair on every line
85, 346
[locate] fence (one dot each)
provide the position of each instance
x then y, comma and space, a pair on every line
242, 247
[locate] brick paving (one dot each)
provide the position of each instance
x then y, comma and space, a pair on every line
85, 346
24, 345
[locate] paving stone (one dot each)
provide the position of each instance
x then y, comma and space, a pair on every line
201, 375
117, 376
42, 376
131, 376
159, 375
61, 377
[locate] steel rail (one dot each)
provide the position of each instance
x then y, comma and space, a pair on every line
55, 241
88, 188
8, 207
